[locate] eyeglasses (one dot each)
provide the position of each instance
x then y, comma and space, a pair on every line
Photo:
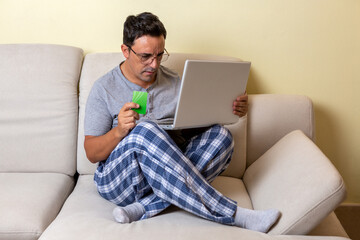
147, 58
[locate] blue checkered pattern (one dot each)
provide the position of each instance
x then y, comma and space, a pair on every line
148, 167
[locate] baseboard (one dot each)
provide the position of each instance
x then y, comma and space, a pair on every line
345, 204
349, 216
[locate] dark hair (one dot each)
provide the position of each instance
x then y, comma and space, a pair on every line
143, 24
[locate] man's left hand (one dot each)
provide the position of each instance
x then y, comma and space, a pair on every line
240, 105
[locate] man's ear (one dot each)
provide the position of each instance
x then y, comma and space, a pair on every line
125, 50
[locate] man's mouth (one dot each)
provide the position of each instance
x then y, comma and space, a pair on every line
149, 71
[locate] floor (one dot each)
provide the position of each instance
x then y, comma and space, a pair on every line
349, 216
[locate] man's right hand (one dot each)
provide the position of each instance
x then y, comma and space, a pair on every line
98, 148
127, 119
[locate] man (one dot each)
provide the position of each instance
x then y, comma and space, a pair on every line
142, 168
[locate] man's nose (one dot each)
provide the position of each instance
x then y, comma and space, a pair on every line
154, 63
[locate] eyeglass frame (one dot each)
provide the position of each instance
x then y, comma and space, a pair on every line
151, 56
159, 55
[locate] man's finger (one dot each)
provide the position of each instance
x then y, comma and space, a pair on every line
130, 105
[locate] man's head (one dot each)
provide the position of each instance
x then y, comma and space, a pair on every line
143, 48
143, 24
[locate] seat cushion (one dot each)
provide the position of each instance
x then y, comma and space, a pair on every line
30, 202
86, 215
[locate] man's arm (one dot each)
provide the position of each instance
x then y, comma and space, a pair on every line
240, 105
98, 148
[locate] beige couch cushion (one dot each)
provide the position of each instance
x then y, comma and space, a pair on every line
330, 226
295, 177
272, 116
97, 64
38, 125
94, 66
39, 107
30, 202
86, 215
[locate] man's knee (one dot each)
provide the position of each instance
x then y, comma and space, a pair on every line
222, 134
146, 127
135, 138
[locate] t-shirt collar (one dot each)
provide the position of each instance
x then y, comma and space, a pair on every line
135, 87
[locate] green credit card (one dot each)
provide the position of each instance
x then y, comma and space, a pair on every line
141, 99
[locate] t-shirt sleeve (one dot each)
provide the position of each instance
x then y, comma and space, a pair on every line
98, 119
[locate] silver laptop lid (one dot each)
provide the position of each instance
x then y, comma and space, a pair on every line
207, 92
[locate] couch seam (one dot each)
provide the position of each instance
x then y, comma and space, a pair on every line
68, 191
20, 232
316, 206
311, 120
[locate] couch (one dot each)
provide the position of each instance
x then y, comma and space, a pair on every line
46, 182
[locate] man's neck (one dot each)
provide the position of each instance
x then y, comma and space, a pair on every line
132, 78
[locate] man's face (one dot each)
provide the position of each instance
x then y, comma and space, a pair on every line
145, 47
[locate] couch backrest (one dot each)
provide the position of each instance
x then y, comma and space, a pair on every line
38, 107
272, 116
97, 64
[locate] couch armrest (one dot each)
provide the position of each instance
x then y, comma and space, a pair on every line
295, 177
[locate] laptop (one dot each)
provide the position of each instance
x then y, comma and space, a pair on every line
207, 92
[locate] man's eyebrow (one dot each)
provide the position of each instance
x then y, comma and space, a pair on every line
152, 54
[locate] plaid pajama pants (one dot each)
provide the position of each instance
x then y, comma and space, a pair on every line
148, 167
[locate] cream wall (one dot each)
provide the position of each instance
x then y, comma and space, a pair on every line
296, 47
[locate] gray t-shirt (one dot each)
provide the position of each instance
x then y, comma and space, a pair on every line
110, 92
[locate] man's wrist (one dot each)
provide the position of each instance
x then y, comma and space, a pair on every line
118, 133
